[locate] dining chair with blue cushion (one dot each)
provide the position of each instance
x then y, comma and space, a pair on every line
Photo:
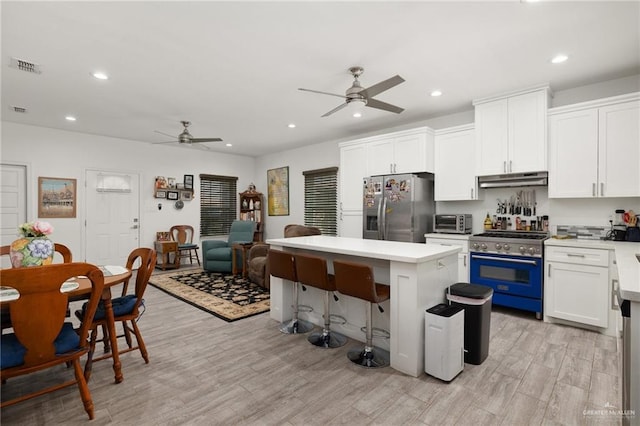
183, 235
126, 310
216, 254
40, 338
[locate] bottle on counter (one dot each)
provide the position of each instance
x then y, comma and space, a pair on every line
487, 222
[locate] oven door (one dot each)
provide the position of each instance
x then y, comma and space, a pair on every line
514, 275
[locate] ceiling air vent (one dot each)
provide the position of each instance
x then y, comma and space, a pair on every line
22, 65
21, 110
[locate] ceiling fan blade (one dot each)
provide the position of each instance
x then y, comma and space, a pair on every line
387, 84
323, 93
166, 134
338, 108
160, 143
196, 140
373, 103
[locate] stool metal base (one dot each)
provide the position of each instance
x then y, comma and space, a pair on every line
327, 339
369, 357
296, 326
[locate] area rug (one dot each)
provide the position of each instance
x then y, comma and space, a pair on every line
226, 296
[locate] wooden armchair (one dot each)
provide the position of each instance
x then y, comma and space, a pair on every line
183, 235
41, 339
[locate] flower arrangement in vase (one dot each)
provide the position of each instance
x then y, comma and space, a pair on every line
34, 248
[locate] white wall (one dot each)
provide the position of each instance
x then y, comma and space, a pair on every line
55, 153
312, 157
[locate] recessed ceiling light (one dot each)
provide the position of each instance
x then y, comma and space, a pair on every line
560, 58
100, 75
291, 126
70, 118
436, 93
228, 144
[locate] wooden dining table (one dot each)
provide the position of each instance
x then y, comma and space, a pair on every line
113, 275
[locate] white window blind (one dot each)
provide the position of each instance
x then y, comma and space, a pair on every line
218, 204
321, 199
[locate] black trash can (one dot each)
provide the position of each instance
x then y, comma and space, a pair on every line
476, 301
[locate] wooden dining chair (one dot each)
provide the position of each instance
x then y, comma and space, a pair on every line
64, 251
126, 309
41, 338
183, 235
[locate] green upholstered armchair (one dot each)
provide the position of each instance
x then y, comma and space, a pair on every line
216, 254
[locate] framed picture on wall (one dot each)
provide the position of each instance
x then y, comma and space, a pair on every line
278, 191
188, 181
172, 195
161, 194
56, 197
186, 195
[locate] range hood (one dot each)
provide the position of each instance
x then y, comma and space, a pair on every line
513, 179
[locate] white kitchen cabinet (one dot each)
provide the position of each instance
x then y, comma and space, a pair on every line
461, 241
455, 171
401, 152
511, 132
576, 285
594, 149
351, 174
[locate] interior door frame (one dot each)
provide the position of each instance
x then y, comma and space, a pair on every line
83, 188
30, 211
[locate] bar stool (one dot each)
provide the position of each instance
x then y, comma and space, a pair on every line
312, 271
283, 265
356, 280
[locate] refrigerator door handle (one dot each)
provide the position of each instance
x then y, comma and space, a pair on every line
384, 218
379, 218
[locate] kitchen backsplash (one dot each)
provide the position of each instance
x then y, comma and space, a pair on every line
579, 212
583, 232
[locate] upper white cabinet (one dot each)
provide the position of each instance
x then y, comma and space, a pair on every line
594, 149
511, 132
402, 152
455, 164
352, 171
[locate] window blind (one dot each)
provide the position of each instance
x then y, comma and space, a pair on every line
218, 204
321, 199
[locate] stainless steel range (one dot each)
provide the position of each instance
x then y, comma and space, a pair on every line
511, 263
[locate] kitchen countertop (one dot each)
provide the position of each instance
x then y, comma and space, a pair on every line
628, 265
376, 249
463, 237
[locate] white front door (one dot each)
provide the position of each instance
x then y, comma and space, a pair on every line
13, 204
112, 216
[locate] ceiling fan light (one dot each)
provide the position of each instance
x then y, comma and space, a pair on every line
357, 114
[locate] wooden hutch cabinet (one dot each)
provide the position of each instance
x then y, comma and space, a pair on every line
252, 208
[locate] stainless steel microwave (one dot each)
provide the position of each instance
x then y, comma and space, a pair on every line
452, 223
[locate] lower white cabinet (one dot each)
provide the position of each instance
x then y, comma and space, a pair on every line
463, 257
576, 285
350, 224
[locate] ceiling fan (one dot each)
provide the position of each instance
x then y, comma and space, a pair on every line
186, 138
358, 94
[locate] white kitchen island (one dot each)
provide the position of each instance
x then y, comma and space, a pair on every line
418, 275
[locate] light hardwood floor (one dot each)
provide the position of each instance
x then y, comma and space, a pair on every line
204, 371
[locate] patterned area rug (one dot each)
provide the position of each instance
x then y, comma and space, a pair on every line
226, 296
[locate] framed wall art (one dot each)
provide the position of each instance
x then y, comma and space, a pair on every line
278, 191
56, 197
161, 194
186, 195
172, 195
188, 181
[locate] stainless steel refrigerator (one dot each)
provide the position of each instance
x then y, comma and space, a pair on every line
398, 207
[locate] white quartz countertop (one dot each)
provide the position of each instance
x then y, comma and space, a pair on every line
628, 265
462, 237
375, 249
